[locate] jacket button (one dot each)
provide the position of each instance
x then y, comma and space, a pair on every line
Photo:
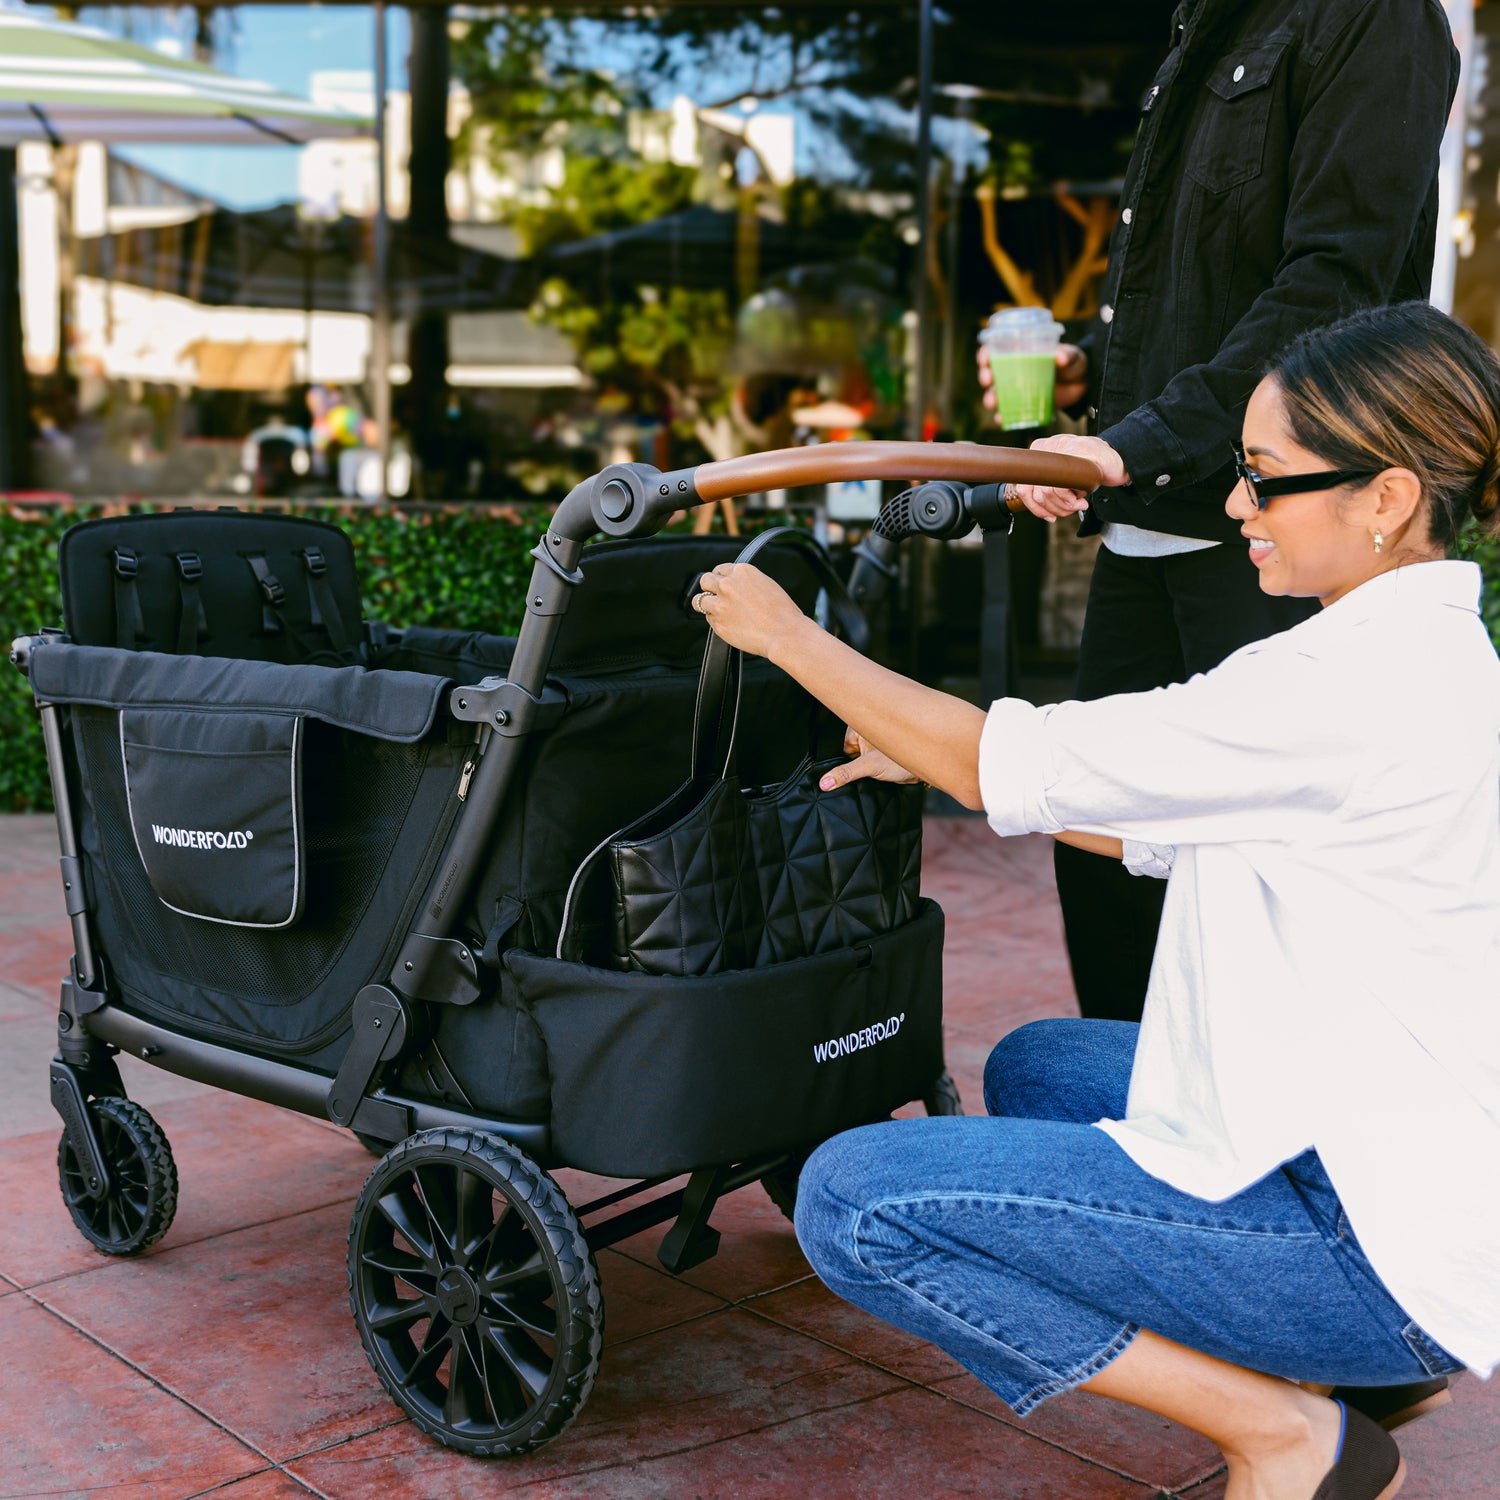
1127, 216
1239, 72
1162, 479
1106, 314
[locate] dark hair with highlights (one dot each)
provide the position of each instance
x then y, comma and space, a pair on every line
1403, 387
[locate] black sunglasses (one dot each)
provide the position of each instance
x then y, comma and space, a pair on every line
1263, 491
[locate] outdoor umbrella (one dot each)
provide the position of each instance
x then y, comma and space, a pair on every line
62, 82
276, 258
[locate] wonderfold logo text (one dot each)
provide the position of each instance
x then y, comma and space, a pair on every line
201, 838
857, 1041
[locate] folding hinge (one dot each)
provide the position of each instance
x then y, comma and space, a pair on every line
379, 1031
442, 970
507, 708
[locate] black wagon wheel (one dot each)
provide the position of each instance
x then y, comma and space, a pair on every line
135, 1210
780, 1182
475, 1293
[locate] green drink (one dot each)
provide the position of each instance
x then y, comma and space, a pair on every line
1020, 344
1023, 387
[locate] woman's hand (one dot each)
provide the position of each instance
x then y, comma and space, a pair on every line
746, 608
867, 762
1047, 501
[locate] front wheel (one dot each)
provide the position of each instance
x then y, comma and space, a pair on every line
136, 1207
475, 1293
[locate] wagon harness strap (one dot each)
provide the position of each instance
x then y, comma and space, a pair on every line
323, 608
130, 624
272, 595
192, 622
274, 622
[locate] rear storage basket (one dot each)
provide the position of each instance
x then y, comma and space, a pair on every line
653, 1075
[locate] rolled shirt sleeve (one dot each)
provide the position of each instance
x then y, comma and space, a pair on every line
1253, 750
1154, 860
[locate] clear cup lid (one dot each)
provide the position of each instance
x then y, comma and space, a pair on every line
1027, 323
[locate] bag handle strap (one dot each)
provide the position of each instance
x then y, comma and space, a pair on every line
716, 711
716, 717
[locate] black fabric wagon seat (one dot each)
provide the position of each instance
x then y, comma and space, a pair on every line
202, 645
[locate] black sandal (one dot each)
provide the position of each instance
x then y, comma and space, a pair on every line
1368, 1464
1393, 1406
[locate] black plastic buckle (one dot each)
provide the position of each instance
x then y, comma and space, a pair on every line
317, 565
190, 565
271, 587
127, 565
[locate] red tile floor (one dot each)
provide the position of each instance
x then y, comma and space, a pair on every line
225, 1360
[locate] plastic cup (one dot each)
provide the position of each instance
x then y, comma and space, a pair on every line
1020, 344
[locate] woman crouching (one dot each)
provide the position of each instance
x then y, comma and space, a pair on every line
1287, 1173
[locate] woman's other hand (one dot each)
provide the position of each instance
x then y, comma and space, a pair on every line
747, 609
1049, 502
868, 762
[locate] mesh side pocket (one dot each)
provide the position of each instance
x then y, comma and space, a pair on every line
215, 802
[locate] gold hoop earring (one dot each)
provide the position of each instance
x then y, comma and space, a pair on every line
1379, 542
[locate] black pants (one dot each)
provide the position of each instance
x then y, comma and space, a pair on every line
1150, 621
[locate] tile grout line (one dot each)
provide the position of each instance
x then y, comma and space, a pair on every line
337, 1443
954, 1400
275, 1468
166, 1250
177, 1396
715, 1442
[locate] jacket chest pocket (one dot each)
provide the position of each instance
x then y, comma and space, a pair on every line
1229, 132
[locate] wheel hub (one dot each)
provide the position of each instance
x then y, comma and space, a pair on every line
458, 1296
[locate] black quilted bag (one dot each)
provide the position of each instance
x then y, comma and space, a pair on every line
723, 877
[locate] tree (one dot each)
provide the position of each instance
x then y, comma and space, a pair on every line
559, 81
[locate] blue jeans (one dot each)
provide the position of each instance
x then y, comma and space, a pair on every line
1032, 1249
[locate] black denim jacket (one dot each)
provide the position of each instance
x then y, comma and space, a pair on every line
1285, 174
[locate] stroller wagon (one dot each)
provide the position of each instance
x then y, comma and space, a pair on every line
326, 863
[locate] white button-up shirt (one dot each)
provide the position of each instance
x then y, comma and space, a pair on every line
1328, 970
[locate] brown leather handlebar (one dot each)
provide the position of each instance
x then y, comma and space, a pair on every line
826, 463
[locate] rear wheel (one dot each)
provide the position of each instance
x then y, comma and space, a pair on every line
136, 1208
475, 1293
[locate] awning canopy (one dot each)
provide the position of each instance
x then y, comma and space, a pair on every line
62, 82
272, 257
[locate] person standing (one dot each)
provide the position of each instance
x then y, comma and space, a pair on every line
1285, 175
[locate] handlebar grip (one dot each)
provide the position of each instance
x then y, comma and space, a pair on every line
826, 463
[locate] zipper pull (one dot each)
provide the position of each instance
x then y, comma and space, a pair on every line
466, 778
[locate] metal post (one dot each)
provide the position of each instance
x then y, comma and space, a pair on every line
919, 361
957, 174
14, 396
380, 332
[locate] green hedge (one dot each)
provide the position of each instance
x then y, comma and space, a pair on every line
465, 567
443, 566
